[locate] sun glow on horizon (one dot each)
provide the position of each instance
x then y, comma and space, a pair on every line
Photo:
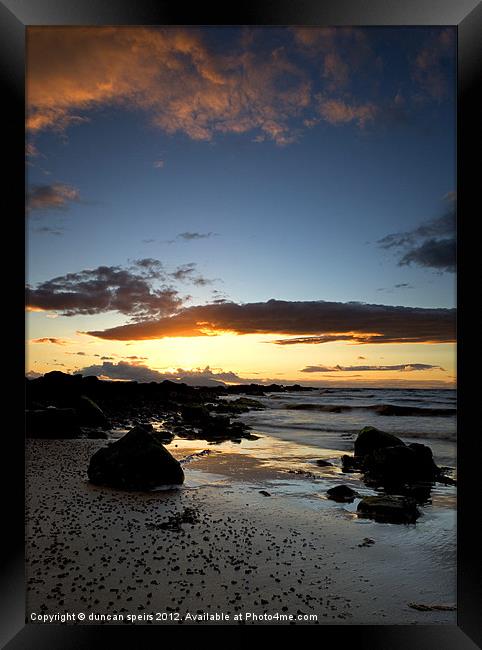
255, 357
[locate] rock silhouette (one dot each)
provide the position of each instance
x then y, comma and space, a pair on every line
137, 461
341, 493
371, 439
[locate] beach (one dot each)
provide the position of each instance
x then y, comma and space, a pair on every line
249, 538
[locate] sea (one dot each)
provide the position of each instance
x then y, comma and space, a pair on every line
331, 418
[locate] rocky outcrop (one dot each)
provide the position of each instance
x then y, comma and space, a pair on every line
137, 461
52, 423
349, 464
199, 422
90, 414
387, 461
397, 465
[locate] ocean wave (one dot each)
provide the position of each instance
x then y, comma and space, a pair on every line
269, 424
299, 427
379, 409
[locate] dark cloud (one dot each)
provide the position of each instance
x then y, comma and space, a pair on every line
150, 267
141, 373
107, 288
439, 227
431, 245
434, 64
189, 236
405, 367
434, 253
310, 322
188, 273
122, 370
400, 285
316, 340
50, 339
57, 196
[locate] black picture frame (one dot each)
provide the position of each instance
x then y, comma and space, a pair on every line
15, 16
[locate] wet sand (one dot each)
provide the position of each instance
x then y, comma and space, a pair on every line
220, 546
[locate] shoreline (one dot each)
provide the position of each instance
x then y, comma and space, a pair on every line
100, 550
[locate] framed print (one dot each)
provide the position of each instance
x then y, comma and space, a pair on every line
245, 390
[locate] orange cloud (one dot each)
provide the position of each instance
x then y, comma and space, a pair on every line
428, 68
339, 112
336, 69
57, 196
327, 321
167, 72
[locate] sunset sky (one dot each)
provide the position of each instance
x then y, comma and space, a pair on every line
242, 204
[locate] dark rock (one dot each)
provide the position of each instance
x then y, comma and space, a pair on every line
216, 426
163, 436
52, 423
196, 414
425, 468
265, 493
95, 434
349, 464
342, 494
398, 465
446, 480
251, 436
389, 509
137, 461
324, 463
371, 439
249, 389
90, 414
240, 405
390, 464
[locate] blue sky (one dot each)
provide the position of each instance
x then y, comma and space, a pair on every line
291, 196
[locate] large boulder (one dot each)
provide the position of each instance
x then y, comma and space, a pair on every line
52, 423
389, 508
137, 461
371, 439
90, 414
391, 466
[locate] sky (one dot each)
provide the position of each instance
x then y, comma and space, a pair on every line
242, 204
